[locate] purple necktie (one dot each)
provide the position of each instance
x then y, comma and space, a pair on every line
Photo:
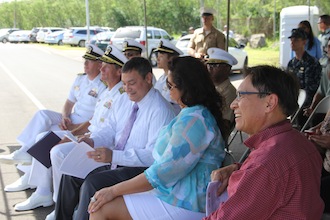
127, 130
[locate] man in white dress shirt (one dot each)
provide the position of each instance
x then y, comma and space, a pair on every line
78, 108
153, 113
166, 52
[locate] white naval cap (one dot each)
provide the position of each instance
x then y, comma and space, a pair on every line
205, 11
113, 55
166, 46
93, 52
217, 55
131, 44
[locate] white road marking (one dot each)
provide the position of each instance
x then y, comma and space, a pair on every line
23, 88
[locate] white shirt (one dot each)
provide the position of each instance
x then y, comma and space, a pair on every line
154, 113
103, 106
85, 93
161, 86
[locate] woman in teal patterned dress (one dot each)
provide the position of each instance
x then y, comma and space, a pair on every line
185, 153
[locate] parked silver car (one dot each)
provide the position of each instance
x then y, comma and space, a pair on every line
44, 32
21, 36
139, 34
77, 36
4, 33
55, 38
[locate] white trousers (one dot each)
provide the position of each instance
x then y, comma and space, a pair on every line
42, 121
146, 205
39, 175
57, 155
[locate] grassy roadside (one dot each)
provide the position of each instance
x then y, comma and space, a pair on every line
266, 55
269, 55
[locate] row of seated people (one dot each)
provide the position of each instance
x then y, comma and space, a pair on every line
41, 177
162, 166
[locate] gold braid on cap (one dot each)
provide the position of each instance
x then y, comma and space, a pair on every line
90, 54
162, 48
217, 61
109, 58
132, 48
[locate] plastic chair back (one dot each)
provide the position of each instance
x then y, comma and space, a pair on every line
322, 107
229, 159
301, 101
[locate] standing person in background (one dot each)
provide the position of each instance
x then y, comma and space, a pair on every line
206, 36
324, 27
305, 68
313, 45
166, 52
231, 33
191, 30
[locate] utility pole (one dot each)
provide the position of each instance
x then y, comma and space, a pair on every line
201, 5
87, 20
145, 26
228, 25
15, 14
274, 21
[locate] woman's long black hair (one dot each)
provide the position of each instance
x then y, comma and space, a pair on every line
191, 77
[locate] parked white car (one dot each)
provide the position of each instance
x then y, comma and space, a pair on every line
55, 37
22, 36
235, 49
138, 33
43, 32
4, 33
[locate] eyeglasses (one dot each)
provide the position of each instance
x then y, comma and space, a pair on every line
239, 94
169, 85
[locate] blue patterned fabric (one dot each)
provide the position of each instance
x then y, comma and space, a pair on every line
187, 150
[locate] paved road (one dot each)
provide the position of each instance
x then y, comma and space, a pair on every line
36, 77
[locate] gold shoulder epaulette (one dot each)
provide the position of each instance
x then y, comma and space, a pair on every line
106, 85
121, 90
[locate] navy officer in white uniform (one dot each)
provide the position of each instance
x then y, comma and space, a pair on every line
166, 51
41, 176
79, 107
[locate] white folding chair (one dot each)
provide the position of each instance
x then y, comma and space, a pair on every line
301, 100
322, 107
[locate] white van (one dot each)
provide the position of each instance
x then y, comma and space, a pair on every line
138, 33
289, 19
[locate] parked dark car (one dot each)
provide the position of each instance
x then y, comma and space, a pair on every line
33, 34
102, 39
